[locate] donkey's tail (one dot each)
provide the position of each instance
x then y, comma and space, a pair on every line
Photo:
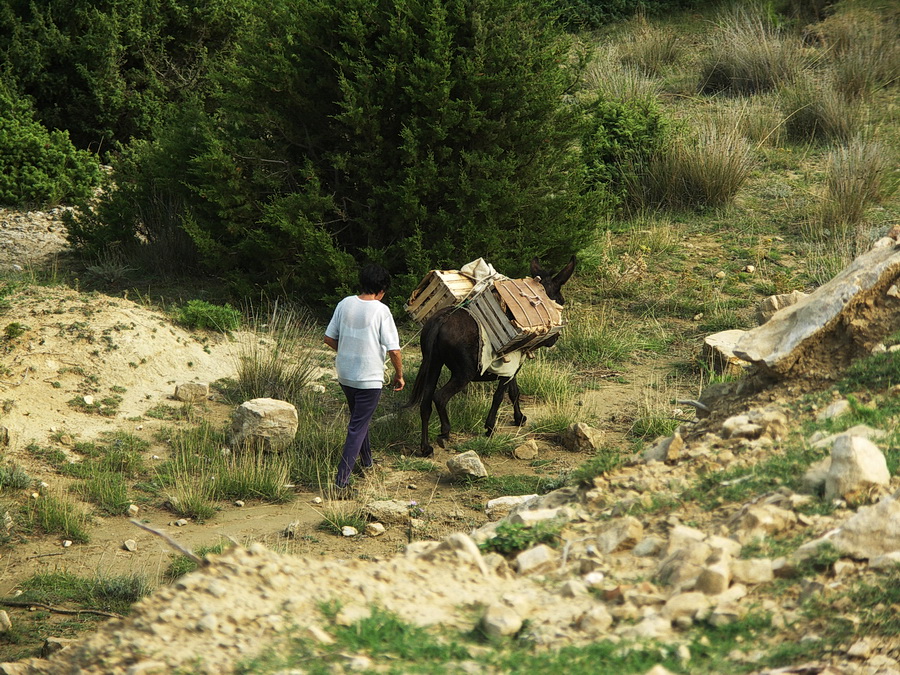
429, 337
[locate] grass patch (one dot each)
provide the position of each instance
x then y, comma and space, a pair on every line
108, 491
338, 514
750, 55
414, 464
110, 594
13, 477
606, 460
486, 446
52, 514
182, 565
276, 362
514, 537
202, 315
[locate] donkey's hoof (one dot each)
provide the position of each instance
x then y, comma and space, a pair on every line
442, 441
425, 452
489, 432
521, 421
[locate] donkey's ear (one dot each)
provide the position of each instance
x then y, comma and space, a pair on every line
535, 267
563, 275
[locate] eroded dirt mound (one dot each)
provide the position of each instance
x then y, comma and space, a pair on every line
62, 346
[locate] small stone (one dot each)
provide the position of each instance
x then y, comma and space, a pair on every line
130, 545
721, 275
66, 543
412, 486
528, 450
317, 500
573, 588
500, 621
133, 510
88, 399
349, 531
534, 559
375, 529
239, 503
181, 522
52, 645
5, 623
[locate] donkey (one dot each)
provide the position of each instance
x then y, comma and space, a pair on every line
451, 338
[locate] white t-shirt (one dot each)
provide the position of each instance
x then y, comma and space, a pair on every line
365, 332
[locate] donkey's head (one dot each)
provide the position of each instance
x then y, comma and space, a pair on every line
553, 283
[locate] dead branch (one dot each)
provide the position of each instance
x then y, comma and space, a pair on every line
58, 610
183, 550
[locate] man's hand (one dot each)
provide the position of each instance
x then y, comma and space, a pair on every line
398, 382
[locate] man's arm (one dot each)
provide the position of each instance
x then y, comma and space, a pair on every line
397, 362
331, 342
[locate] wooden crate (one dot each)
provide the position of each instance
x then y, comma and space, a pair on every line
517, 314
439, 289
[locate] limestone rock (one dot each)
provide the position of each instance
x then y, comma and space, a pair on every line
620, 534
265, 421
192, 392
527, 450
535, 559
581, 437
5, 623
666, 449
467, 464
777, 346
718, 352
752, 571
391, 511
856, 464
502, 506
872, 532
765, 309
500, 621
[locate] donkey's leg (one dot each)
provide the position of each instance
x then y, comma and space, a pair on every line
425, 449
491, 420
441, 398
518, 418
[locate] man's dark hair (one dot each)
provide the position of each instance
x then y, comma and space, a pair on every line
374, 279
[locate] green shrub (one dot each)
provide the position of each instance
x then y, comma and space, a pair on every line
515, 537
14, 477
605, 460
202, 315
620, 139
37, 166
106, 69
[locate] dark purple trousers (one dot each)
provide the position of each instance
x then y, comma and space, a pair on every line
362, 403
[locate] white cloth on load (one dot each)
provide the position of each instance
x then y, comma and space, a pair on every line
505, 366
483, 274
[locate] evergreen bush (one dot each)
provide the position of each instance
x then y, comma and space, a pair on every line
417, 133
105, 69
39, 167
621, 137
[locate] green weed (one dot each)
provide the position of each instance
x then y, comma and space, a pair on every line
57, 515
514, 537
202, 315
